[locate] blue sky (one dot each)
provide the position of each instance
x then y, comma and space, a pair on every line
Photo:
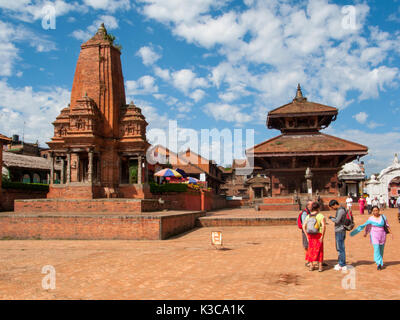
213, 63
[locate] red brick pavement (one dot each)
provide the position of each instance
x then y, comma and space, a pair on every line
258, 263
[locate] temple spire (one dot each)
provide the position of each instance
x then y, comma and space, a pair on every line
299, 94
102, 29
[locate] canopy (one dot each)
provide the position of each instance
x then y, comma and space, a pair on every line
182, 172
168, 173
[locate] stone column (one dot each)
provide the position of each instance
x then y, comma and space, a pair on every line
62, 171
308, 177
78, 168
51, 168
139, 170
98, 168
90, 166
68, 167
146, 178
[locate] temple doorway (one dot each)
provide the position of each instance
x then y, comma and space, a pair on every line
258, 193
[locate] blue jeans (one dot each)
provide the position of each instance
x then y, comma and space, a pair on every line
340, 237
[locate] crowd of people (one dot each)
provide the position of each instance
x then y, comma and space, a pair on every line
313, 225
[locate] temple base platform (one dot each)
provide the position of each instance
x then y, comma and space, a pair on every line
96, 225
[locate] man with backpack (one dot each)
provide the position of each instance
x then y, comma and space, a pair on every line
340, 233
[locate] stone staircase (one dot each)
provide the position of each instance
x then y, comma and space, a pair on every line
278, 204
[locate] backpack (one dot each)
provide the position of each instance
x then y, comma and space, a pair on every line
299, 222
348, 223
312, 225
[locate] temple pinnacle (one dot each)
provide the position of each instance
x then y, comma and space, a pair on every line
299, 94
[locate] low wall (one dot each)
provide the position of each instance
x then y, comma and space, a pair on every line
176, 224
192, 201
237, 203
9, 195
87, 205
95, 227
244, 222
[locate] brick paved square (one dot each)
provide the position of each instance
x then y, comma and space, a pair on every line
257, 263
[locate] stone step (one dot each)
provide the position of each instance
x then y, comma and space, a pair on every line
274, 200
252, 221
278, 207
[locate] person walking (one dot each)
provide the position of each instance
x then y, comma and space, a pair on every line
340, 233
398, 207
369, 204
314, 226
361, 204
377, 226
349, 202
375, 202
303, 215
382, 203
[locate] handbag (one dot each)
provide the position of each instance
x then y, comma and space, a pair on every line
385, 225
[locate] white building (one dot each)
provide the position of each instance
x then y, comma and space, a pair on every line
377, 186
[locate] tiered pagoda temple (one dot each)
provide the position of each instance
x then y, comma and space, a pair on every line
302, 160
99, 139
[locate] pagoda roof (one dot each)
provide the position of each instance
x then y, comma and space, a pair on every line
306, 144
3, 138
300, 106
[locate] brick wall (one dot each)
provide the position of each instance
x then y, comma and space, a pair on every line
108, 228
100, 227
9, 195
87, 205
71, 192
173, 225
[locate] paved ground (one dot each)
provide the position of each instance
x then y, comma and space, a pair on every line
257, 263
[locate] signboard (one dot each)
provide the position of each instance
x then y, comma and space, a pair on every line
202, 177
216, 238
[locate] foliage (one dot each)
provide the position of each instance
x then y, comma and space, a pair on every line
110, 37
133, 174
168, 187
25, 186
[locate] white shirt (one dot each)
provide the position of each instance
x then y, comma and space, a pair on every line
369, 201
349, 202
381, 199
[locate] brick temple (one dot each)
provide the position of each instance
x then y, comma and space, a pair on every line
99, 139
302, 160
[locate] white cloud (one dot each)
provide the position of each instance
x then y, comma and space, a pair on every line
10, 35
186, 79
144, 85
276, 44
197, 95
361, 117
162, 73
37, 108
30, 11
109, 5
148, 55
382, 146
226, 112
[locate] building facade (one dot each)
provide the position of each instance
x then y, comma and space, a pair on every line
303, 160
99, 139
